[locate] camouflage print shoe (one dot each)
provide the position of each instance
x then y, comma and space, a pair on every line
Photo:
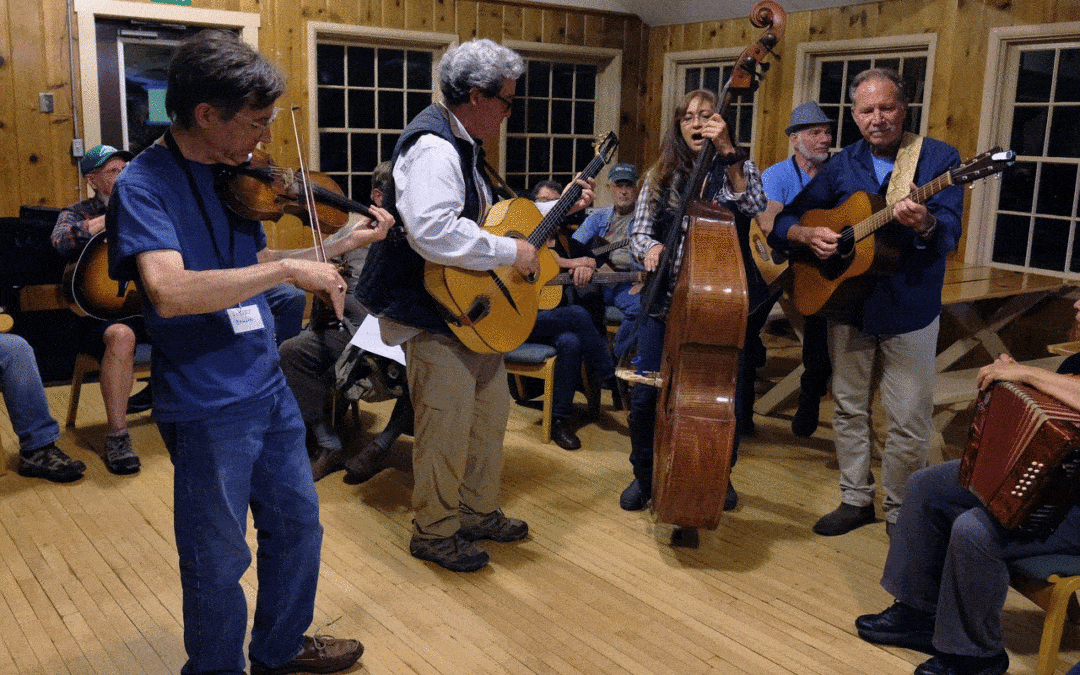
453, 552
51, 463
120, 457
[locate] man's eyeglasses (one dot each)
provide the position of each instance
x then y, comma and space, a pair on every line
261, 127
505, 101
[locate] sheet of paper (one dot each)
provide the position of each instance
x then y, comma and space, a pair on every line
367, 338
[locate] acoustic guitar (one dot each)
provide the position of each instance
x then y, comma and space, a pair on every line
821, 286
87, 285
495, 310
770, 262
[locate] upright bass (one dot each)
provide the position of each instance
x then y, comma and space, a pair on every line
706, 326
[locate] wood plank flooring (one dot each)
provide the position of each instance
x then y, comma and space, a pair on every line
89, 581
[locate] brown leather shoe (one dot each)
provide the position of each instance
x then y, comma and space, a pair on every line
320, 654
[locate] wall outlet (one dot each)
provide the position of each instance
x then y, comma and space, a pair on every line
77, 148
45, 103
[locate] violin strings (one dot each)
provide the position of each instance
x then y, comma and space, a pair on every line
309, 196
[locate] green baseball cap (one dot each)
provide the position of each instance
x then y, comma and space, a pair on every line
96, 156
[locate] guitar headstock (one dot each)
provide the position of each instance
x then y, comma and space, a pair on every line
988, 163
607, 147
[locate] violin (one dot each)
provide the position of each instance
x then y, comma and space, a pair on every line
261, 190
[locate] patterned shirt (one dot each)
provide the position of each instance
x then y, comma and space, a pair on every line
70, 235
643, 235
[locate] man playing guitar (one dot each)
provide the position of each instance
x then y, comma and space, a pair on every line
897, 317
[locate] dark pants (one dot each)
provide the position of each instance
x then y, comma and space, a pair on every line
570, 330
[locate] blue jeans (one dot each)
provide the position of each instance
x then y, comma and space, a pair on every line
630, 305
287, 304
24, 395
251, 457
641, 418
570, 330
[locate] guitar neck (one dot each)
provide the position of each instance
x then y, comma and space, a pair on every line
566, 278
550, 224
919, 195
601, 250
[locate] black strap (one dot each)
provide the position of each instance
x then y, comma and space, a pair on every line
185, 165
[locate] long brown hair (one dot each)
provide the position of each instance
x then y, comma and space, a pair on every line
676, 158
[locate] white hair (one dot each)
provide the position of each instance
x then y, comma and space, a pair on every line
483, 64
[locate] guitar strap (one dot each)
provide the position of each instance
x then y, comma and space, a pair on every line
504, 189
907, 158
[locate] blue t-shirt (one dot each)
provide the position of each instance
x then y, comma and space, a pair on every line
200, 367
784, 180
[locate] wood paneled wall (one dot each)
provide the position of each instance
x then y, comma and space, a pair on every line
35, 147
962, 28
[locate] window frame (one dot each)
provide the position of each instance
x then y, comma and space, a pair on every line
994, 113
671, 94
809, 56
606, 113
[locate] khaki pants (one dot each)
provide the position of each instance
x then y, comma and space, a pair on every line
462, 403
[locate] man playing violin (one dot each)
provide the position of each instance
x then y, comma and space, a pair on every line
897, 321
461, 399
228, 419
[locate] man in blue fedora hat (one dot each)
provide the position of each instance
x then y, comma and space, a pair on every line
810, 133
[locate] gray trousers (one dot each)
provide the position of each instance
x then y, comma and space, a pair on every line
948, 555
907, 395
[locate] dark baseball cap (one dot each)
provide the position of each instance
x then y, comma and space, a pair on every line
623, 172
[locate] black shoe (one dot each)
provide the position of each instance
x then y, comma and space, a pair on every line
120, 457
805, 422
326, 461
900, 626
454, 553
844, 519
51, 463
954, 664
320, 654
731, 499
563, 435
633, 498
494, 526
140, 401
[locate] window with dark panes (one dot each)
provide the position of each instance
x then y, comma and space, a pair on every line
551, 131
366, 96
1035, 221
712, 78
834, 80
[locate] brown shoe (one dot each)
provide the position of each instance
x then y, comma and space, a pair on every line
320, 654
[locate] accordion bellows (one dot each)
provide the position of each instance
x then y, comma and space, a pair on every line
1022, 458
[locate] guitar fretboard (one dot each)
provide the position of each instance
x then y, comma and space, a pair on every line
877, 220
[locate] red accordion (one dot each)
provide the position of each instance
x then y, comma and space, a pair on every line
1022, 458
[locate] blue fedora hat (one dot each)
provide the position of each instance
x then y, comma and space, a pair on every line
809, 114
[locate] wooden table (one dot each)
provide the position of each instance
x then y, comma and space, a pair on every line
965, 287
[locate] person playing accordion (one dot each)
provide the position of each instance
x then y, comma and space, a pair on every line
947, 561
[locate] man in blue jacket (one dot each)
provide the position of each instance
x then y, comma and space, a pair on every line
896, 320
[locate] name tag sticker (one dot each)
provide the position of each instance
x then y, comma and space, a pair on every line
245, 319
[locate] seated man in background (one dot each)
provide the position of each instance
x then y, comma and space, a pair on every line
570, 328
947, 563
112, 343
611, 226
308, 358
28, 409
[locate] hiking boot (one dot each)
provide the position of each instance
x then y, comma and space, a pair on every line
120, 457
494, 526
454, 553
320, 654
51, 463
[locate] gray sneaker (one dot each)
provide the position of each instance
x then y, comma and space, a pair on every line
454, 553
494, 526
120, 457
51, 463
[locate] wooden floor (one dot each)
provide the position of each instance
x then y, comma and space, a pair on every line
89, 581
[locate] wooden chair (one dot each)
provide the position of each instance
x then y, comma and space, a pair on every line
1051, 582
535, 360
87, 365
